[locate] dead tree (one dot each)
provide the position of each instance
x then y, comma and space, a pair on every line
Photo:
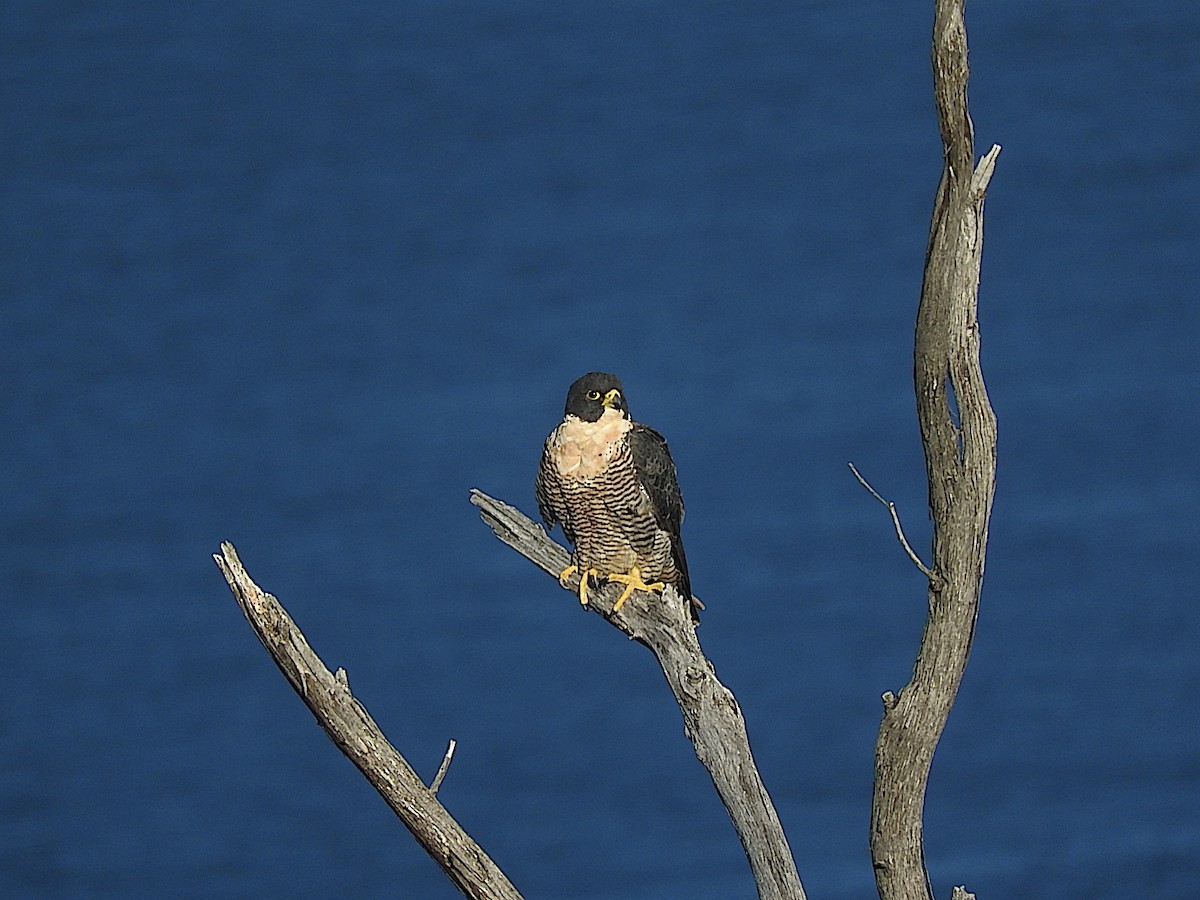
958, 432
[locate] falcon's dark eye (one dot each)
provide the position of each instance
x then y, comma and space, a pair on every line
593, 395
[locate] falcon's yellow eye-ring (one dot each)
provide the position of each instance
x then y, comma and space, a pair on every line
593, 395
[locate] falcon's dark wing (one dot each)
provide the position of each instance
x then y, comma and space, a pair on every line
656, 474
549, 494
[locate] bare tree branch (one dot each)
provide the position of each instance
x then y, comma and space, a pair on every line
891, 508
443, 768
711, 716
958, 432
355, 733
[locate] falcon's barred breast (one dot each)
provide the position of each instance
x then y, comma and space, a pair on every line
610, 482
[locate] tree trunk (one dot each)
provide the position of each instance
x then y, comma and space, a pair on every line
958, 433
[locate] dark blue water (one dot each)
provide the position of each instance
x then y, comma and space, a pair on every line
300, 276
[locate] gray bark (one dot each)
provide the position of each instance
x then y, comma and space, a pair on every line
355, 733
712, 718
958, 433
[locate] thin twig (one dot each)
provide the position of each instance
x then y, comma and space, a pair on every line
441, 772
891, 507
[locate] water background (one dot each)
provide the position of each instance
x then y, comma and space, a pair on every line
299, 276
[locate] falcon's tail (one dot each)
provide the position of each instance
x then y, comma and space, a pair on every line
684, 584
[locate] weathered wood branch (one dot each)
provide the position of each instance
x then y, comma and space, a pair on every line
712, 718
891, 508
355, 733
958, 433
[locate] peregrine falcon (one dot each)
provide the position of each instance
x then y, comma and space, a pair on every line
610, 482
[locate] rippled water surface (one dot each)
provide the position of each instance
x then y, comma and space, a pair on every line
301, 276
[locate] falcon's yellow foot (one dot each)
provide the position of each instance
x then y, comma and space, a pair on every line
567, 573
633, 582
583, 580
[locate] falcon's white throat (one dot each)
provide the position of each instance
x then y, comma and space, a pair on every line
584, 449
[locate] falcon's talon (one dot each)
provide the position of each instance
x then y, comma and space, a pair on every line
583, 582
633, 582
567, 573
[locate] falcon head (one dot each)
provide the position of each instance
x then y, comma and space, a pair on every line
592, 394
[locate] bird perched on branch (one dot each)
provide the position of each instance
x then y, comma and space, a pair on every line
610, 482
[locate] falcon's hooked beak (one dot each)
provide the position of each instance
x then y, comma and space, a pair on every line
612, 400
